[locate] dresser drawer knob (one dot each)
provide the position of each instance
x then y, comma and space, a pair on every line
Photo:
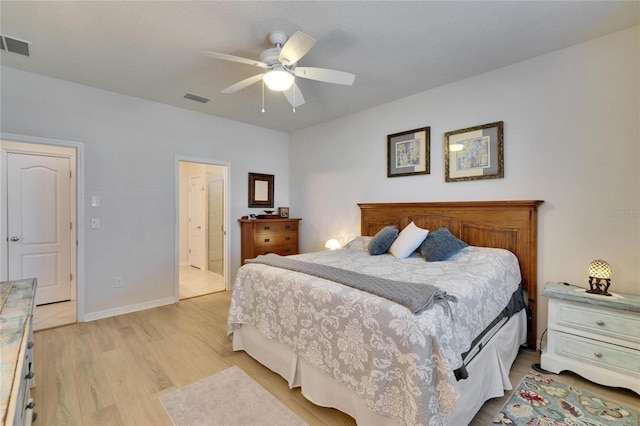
266, 228
600, 322
30, 375
266, 240
597, 354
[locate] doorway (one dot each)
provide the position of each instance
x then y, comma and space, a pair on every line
39, 225
201, 228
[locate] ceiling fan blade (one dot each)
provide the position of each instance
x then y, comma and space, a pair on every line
326, 75
242, 84
295, 48
232, 58
289, 94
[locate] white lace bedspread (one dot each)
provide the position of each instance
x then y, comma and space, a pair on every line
401, 364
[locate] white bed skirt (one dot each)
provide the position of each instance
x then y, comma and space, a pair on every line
488, 374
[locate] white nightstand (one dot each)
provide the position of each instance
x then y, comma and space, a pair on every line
597, 337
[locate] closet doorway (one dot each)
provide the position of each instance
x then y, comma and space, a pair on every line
202, 222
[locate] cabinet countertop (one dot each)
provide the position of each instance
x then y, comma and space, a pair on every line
16, 302
626, 302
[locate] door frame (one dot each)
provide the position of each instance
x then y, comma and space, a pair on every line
176, 212
46, 146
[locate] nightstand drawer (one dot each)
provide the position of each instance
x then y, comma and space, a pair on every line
621, 324
602, 354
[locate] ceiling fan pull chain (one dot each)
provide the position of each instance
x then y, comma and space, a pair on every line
262, 95
294, 95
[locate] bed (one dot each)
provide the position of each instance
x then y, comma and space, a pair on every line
375, 359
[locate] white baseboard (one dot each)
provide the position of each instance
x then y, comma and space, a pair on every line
128, 309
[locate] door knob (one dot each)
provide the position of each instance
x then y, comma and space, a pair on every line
15, 238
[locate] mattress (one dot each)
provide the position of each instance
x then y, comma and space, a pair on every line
400, 365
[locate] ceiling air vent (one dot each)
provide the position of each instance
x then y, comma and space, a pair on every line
14, 45
197, 98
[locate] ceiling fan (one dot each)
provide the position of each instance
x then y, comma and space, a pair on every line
280, 63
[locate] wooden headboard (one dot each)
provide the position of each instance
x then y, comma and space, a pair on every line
510, 225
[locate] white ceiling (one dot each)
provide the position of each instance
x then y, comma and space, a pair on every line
151, 49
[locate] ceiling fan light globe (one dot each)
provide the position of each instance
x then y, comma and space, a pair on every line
278, 80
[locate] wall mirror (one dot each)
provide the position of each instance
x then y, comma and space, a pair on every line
260, 190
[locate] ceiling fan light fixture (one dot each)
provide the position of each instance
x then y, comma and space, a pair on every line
278, 79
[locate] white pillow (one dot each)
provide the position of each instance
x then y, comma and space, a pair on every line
408, 241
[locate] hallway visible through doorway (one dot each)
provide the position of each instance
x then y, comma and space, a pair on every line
201, 228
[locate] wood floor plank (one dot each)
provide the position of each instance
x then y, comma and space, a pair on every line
112, 371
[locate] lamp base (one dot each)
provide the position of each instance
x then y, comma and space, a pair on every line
598, 292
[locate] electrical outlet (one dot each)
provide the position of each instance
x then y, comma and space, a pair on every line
95, 222
118, 282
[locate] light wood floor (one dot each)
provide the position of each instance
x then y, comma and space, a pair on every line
193, 282
113, 370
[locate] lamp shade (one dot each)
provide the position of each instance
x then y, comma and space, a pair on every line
599, 269
278, 79
332, 244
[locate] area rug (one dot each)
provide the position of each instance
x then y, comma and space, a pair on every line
227, 398
541, 401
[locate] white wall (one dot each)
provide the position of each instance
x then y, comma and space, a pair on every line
571, 131
130, 146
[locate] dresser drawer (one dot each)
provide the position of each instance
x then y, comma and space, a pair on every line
283, 250
605, 322
275, 239
605, 355
276, 227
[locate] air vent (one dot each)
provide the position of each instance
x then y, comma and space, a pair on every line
14, 45
197, 98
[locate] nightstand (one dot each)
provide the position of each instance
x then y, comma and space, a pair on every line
597, 337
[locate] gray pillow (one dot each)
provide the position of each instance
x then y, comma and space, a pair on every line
440, 245
381, 242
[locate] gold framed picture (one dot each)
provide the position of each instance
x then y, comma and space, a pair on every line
474, 153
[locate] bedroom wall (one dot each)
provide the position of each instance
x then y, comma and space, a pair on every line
130, 148
571, 130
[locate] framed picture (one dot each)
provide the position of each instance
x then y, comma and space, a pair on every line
283, 211
260, 190
474, 153
408, 153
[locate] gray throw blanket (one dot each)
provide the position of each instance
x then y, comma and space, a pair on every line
415, 296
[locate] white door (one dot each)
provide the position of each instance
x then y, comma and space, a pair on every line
216, 226
39, 223
197, 241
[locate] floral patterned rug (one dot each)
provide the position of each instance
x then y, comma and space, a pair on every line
541, 401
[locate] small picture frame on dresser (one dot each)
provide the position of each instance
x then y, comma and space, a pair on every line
283, 211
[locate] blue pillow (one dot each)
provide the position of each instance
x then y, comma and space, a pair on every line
440, 245
381, 242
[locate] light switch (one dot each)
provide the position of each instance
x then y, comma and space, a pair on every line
95, 222
95, 201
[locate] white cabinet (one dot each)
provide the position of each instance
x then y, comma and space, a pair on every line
597, 337
16, 355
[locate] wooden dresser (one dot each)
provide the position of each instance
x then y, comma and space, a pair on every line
16, 355
262, 236
597, 337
